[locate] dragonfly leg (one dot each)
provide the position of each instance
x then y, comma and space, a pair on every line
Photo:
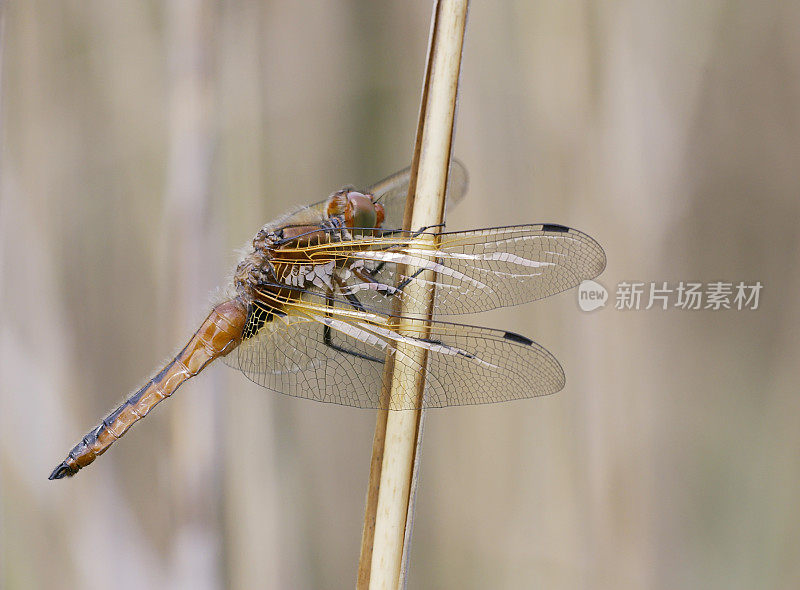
422, 230
407, 280
327, 334
387, 290
367, 277
415, 234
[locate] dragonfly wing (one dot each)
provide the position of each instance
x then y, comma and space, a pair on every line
391, 192
473, 365
290, 355
335, 354
477, 270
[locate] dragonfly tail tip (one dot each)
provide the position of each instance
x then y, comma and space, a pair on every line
61, 471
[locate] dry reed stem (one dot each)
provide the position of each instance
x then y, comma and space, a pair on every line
400, 430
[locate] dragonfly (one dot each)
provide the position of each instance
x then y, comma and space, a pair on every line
312, 310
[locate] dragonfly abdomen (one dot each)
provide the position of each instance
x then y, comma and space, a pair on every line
219, 334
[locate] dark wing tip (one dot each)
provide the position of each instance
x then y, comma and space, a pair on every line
599, 255
518, 338
555, 227
61, 471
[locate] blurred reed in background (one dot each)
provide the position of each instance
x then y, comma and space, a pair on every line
144, 142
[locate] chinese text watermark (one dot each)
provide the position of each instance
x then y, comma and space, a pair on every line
640, 295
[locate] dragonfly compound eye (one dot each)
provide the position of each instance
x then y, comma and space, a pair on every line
360, 211
381, 213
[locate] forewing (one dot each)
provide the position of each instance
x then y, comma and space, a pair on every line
476, 270
466, 364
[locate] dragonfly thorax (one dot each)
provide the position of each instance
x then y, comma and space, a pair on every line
280, 257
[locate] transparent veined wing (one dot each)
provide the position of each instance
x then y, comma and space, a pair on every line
391, 192
476, 270
336, 354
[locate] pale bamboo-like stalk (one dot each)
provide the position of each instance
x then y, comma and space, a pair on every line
390, 502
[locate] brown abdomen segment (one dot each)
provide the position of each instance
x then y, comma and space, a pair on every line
219, 334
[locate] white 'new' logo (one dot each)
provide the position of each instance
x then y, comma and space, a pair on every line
591, 295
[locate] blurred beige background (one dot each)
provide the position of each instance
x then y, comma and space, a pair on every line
144, 142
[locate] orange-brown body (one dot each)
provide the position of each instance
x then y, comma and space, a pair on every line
271, 272
218, 335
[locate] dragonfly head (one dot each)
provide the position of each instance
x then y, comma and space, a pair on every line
357, 209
